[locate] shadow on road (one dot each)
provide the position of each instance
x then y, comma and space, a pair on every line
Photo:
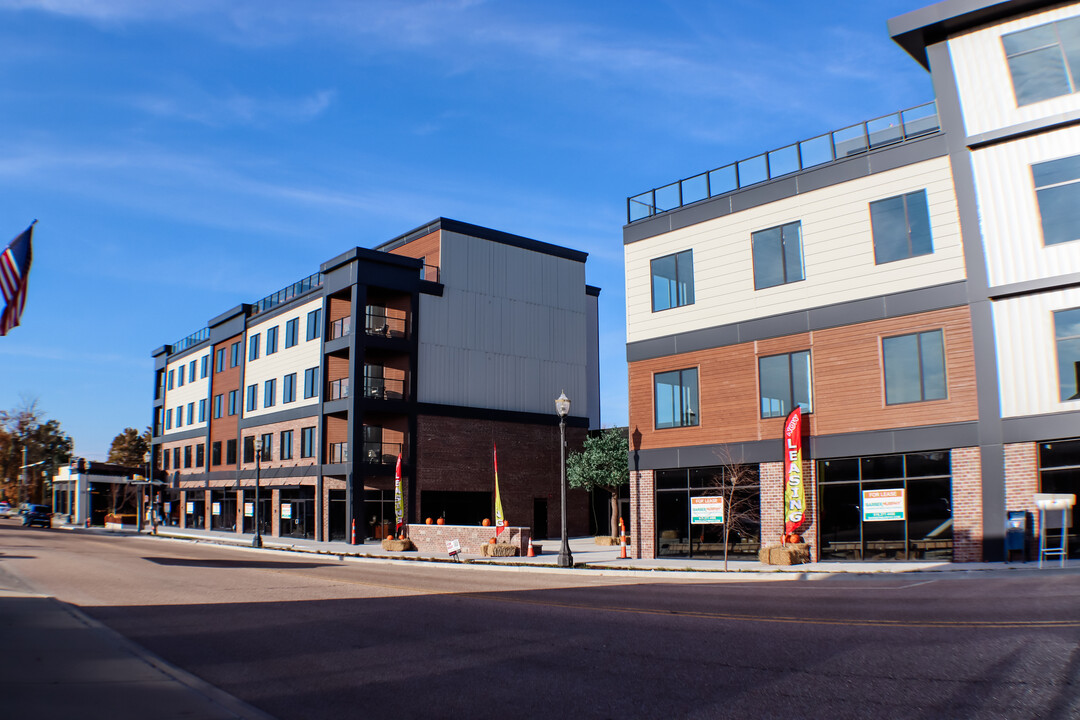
238, 564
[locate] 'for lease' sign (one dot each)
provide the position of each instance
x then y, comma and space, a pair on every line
880, 505
706, 510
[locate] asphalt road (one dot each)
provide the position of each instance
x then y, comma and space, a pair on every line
315, 637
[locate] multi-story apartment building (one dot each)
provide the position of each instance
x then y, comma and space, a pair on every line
912, 283
433, 347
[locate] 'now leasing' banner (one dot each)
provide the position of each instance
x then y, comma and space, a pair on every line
794, 490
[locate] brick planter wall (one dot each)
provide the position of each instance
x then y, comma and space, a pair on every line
771, 476
967, 504
643, 514
433, 538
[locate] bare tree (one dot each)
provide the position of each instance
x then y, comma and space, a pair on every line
738, 485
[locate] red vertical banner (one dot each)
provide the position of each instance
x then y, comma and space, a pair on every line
399, 497
794, 489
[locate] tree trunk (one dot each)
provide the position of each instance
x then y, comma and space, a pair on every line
614, 511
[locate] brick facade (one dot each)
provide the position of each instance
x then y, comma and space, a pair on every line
643, 514
967, 504
1021, 484
772, 505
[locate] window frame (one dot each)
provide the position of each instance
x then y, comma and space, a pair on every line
918, 335
875, 228
1058, 338
251, 402
285, 444
270, 392
787, 279
288, 389
314, 324
1062, 56
785, 410
693, 412
235, 354
682, 296
307, 442
292, 331
271, 340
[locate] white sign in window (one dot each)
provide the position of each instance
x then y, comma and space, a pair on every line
286, 511
249, 509
883, 505
707, 510
215, 508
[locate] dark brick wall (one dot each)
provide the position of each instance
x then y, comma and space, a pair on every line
456, 454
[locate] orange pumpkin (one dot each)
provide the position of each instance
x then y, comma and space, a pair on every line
440, 521
491, 541
486, 522
506, 523
429, 521
794, 538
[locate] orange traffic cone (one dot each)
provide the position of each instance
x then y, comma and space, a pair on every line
622, 541
532, 552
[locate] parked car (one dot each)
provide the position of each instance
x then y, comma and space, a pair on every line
5, 509
37, 515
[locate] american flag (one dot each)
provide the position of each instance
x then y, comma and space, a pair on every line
14, 272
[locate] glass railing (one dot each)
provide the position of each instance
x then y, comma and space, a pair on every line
191, 340
340, 328
339, 453
384, 389
430, 272
285, 294
381, 453
339, 389
880, 132
391, 324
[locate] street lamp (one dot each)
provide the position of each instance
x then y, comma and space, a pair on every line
257, 542
562, 407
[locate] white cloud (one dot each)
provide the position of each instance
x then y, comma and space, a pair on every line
199, 106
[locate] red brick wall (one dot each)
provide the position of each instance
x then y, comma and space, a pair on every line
643, 514
433, 538
456, 454
967, 504
1021, 484
771, 476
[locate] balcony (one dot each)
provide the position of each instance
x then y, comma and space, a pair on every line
381, 453
338, 389
340, 328
892, 129
384, 389
286, 294
339, 453
387, 323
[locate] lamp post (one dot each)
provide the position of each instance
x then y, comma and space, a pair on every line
257, 542
562, 407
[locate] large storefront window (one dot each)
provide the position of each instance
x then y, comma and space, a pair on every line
886, 507
1059, 472
676, 536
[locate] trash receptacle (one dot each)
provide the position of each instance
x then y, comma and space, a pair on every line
1016, 534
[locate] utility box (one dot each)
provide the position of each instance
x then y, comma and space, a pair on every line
1016, 533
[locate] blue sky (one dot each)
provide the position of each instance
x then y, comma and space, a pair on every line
182, 158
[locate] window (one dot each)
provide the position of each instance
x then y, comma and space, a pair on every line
311, 382
176, 458
290, 332
165, 460
253, 347
234, 354
314, 324
271, 340
219, 360
180, 417
1057, 189
676, 398
914, 367
288, 388
785, 383
901, 227
1044, 61
267, 446
286, 445
777, 255
168, 419
200, 455
232, 401
217, 406
172, 374
215, 453
249, 449
230, 452
269, 393
180, 377
673, 280
191, 371
1067, 335
252, 397
190, 413
202, 410
204, 366
307, 442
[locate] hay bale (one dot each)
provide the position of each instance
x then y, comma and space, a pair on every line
500, 550
398, 545
790, 554
606, 540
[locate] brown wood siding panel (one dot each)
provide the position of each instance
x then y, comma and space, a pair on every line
227, 426
426, 247
336, 368
848, 384
338, 308
337, 430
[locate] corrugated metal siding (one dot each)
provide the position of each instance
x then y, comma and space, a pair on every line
838, 252
1009, 211
509, 331
984, 82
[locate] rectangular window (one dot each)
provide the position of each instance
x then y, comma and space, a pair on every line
230, 452
200, 455
676, 396
252, 397
219, 360
314, 324
291, 327
1044, 61
204, 366
1057, 189
191, 371
232, 402
202, 410
234, 354
286, 445
269, 393
180, 377
172, 375
271, 340
249, 449
288, 388
901, 227
307, 442
784, 383
778, 256
673, 280
176, 458
914, 367
165, 460
190, 413
253, 347
1067, 336
180, 417
217, 406
268, 446
168, 419
311, 382
215, 453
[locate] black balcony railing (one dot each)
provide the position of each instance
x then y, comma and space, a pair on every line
191, 340
339, 452
389, 324
430, 272
338, 389
831, 147
384, 389
285, 294
340, 328
380, 453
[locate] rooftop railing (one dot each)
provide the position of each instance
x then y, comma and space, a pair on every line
191, 340
854, 140
286, 294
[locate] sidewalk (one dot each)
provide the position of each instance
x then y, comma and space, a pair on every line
598, 558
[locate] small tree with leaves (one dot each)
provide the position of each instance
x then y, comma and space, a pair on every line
129, 448
601, 465
45, 443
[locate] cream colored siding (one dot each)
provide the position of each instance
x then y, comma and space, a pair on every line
985, 84
303, 355
1027, 352
838, 251
191, 392
1009, 210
